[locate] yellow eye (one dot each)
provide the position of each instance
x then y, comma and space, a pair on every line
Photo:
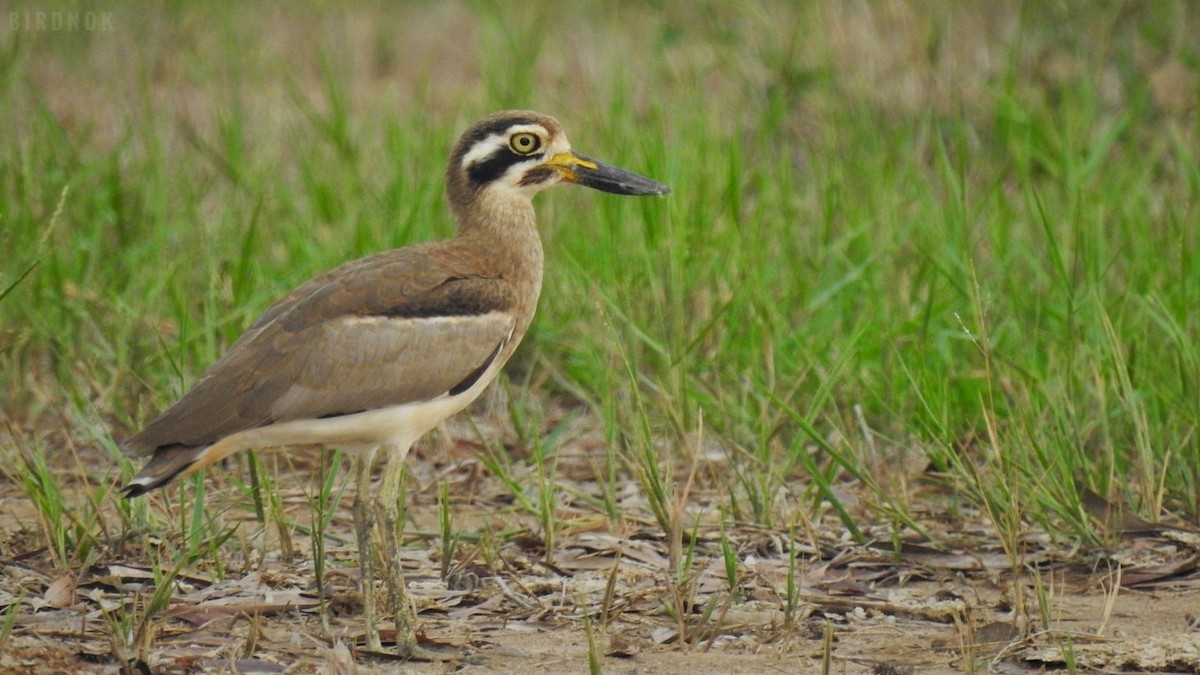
525, 143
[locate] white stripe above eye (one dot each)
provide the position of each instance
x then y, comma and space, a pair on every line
489, 145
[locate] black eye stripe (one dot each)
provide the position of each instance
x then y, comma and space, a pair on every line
484, 171
495, 147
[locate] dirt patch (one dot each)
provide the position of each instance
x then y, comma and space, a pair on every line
751, 599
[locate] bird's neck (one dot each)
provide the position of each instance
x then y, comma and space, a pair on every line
505, 227
504, 231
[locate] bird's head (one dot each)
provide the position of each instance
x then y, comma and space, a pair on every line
518, 153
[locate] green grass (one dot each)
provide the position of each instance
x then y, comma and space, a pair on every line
872, 246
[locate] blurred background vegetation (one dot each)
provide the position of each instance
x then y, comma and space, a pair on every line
931, 254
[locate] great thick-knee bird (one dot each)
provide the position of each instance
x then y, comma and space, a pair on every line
377, 352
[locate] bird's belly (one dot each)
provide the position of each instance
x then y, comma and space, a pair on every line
398, 426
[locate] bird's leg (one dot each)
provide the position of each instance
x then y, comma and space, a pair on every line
391, 524
364, 523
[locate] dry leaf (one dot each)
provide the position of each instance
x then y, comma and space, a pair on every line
60, 593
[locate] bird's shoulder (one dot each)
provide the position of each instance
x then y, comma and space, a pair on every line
424, 280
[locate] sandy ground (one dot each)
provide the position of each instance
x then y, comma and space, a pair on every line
508, 605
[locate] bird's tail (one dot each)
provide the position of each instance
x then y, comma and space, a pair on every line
167, 464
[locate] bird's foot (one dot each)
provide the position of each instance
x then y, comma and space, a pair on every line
410, 650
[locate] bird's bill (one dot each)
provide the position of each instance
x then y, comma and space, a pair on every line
588, 172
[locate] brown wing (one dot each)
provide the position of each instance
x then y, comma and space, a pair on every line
398, 327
